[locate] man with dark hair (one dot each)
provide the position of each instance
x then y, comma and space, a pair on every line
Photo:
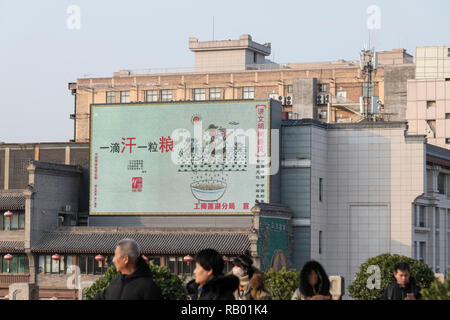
404, 287
209, 282
135, 279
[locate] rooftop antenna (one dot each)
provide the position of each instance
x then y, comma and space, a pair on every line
213, 28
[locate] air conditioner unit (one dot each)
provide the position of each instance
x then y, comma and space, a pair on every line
288, 100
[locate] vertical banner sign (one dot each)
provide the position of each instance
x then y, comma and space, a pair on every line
179, 158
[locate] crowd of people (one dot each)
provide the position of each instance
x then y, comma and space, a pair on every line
244, 282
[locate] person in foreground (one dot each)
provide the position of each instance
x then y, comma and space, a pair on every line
404, 287
314, 283
209, 283
135, 279
251, 286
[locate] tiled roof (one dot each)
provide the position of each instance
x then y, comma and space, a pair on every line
12, 201
150, 243
12, 246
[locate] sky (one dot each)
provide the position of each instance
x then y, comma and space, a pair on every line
45, 44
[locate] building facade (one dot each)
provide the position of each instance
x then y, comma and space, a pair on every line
238, 69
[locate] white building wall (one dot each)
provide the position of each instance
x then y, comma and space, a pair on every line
373, 177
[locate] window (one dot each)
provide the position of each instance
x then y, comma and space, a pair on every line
171, 265
151, 95
18, 264
320, 242
214, 94
422, 251
431, 104
441, 183
110, 97
320, 189
254, 57
166, 95
156, 260
290, 88
16, 222
200, 94
447, 116
323, 114
421, 217
447, 140
323, 87
248, 93
124, 96
436, 218
448, 52
415, 250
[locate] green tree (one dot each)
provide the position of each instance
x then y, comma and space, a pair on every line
281, 284
365, 286
172, 286
437, 290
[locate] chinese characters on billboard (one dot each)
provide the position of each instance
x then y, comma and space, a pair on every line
179, 158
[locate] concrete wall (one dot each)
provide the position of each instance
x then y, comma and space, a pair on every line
395, 90
304, 97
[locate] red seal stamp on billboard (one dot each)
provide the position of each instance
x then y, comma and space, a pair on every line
136, 184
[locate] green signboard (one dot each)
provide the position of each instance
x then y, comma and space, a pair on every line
179, 158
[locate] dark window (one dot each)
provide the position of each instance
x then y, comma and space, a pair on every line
254, 57
441, 183
156, 260
90, 264
82, 261
172, 265
447, 140
447, 116
448, 52
431, 104
320, 242
320, 188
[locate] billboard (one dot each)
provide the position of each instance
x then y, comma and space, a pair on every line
179, 158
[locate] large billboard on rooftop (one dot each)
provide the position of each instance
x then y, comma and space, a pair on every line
180, 158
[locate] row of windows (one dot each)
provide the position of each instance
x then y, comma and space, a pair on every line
18, 264
16, 222
167, 95
88, 265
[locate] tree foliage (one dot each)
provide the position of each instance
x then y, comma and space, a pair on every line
172, 287
369, 284
281, 284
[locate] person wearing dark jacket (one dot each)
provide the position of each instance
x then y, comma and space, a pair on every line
314, 283
209, 283
135, 279
404, 287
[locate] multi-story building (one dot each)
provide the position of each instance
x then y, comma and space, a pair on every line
428, 109
238, 69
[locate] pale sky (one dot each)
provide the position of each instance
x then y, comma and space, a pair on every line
40, 55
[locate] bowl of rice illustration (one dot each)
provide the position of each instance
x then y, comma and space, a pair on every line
208, 190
